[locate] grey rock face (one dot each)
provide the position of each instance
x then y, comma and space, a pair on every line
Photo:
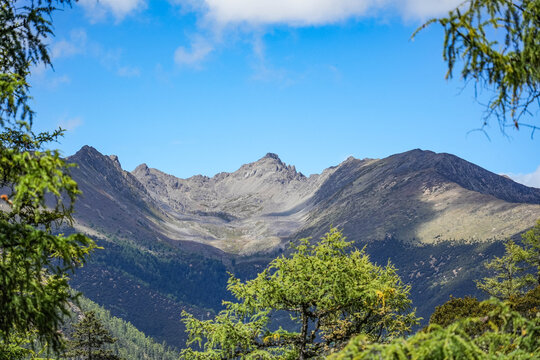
417, 196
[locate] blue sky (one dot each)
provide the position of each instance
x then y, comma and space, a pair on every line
203, 86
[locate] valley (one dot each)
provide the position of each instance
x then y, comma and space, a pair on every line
169, 242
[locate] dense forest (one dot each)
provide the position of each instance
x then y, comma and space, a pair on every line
130, 343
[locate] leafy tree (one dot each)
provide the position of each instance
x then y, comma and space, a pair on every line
527, 305
331, 295
497, 45
456, 309
25, 26
36, 191
508, 336
24, 346
89, 339
511, 278
37, 197
15, 348
531, 241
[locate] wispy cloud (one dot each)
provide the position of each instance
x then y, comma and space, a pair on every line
78, 43
421, 9
532, 179
263, 70
309, 12
74, 45
70, 124
199, 49
119, 9
223, 19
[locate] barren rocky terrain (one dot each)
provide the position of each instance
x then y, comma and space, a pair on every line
418, 197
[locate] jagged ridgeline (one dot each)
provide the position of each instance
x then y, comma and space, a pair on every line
169, 242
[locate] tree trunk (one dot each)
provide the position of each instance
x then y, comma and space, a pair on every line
89, 347
303, 334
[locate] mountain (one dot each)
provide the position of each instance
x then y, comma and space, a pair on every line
421, 197
169, 242
417, 197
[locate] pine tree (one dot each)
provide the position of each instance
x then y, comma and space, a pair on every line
89, 339
496, 44
36, 190
531, 240
510, 278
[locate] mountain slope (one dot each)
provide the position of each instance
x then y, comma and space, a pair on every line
422, 197
169, 242
417, 197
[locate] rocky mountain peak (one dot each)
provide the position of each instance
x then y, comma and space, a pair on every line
268, 159
416, 196
271, 156
91, 158
115, 160
269, 166
142, 169
448, 167
86, 151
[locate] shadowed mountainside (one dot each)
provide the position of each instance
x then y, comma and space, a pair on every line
169, 242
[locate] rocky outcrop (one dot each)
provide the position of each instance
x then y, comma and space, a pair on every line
417, 196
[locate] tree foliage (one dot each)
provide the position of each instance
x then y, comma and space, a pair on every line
37, 196
527, 305
131, 343
531, 242
513, 272
15, 347
510, 278
508, 335
36, 191
89, 340
25, 346
25, 27
497, 45
329, 293
457, 309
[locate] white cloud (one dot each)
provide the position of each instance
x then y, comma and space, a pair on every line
70, 124
76, 44
199, 50
532, 179
310, 12
99, 9
422, 9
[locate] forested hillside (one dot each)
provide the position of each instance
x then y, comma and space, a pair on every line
131, 343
